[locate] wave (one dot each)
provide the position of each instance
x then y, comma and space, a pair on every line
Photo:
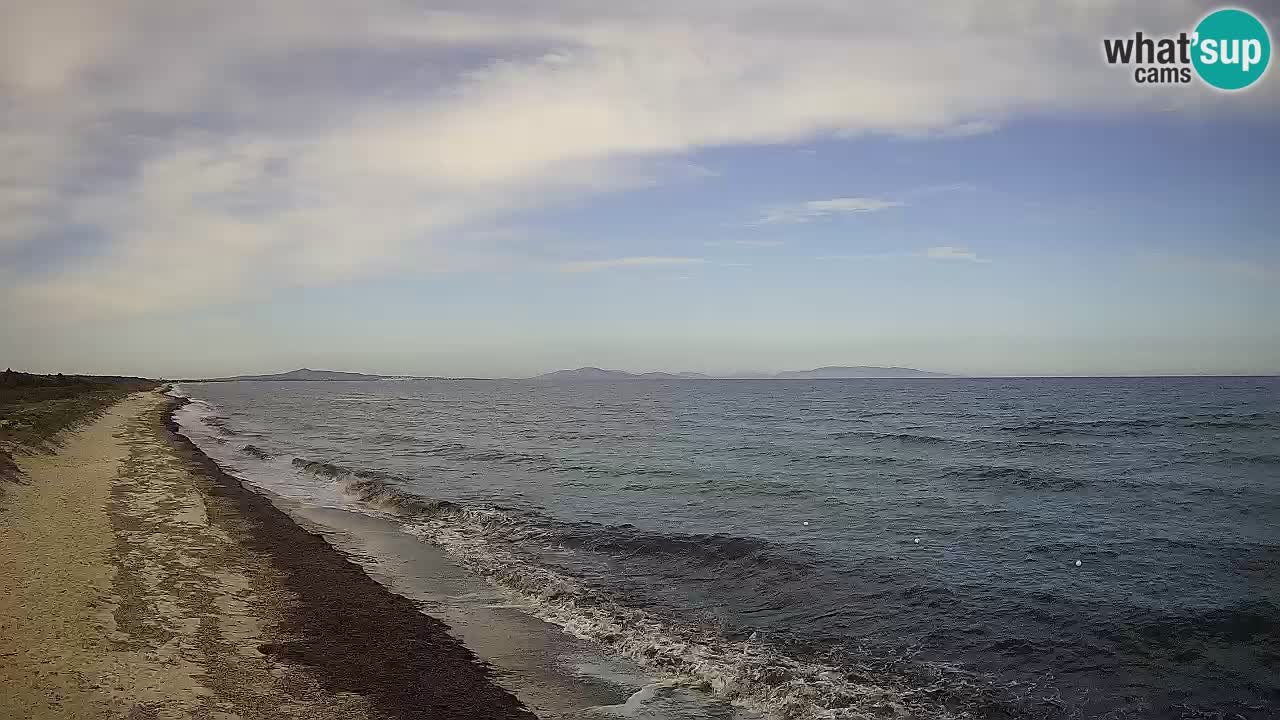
718, 549
1022, 477
209, 416
374, 488
1228, 457
1261, 459
1205, 632
869, 459
396, 439
384, 490
904, 437
1000, 445
1055, 426
755, 672
1223, 424
503, 545
219, 423
536, 462
686, 604
256, 452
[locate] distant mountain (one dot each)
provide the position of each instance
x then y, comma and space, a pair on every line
587, 373
830, 372
597, 374
858, 371
670, 376
302, 375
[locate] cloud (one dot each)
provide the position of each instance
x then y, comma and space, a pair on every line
641, 261
950, 252
814, 209
958, 130
168, 157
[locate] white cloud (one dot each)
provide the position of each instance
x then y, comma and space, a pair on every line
639, 261
950, 252
958, 130
814, 209
213, 150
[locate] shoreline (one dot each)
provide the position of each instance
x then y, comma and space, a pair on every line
554, 672
141, 580
355, 634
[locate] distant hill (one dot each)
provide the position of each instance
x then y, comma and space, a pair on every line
301, 375
583, 374
673, 376
587, 373
830, 372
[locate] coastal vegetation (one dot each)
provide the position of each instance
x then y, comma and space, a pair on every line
34, 409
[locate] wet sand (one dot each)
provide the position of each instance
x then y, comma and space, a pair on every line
139, 581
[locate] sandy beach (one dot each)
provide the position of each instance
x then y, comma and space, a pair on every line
139, 581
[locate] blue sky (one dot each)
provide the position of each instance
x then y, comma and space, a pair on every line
497, 190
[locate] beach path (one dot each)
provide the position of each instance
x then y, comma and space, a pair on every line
133, 585
56, 568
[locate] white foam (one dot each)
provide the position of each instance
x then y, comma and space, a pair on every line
635, 704
750, 674
274, 475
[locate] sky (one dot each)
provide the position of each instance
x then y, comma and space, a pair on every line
503, 188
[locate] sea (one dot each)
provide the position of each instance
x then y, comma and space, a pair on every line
924, 548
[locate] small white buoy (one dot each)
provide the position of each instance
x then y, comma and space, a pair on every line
1077, 563
806, 522
917, 541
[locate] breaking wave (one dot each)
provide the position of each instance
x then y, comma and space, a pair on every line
219, 423
255, 452
502, 545
837, 620
374, 489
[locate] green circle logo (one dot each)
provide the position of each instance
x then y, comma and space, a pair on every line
1231, 49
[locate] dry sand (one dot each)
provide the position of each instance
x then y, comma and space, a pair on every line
139, 581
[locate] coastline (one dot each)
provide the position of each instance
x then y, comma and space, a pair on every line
140, 580
555, 672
